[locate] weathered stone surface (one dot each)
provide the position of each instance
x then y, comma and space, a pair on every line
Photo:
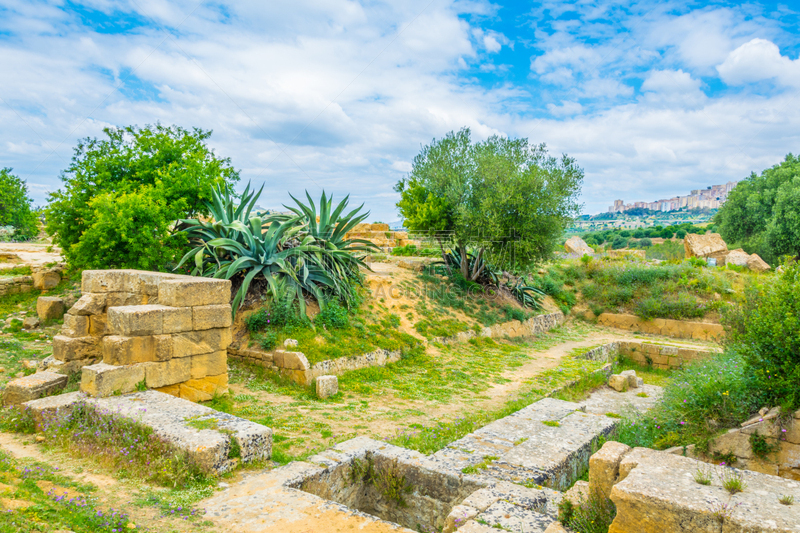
200, 342
618, 383
121, 350
209, 364
46, 279
68, 349
660, 495
193, 292
703, 245
170, 372
204, 389
75, 326
47, 407
633, 381
631, 460
290, 360
49, 307
124, 299
30, 322
98, 324
89, 304
327, 386
756, 264
32, 387
578, 493
576, 245
177, 319
604, 466
459, 515
681, 329
555, 527
103, 380
506, 516
173, 418
290, 343
52, 364
737, 257
211, 316
163, 347
136, 320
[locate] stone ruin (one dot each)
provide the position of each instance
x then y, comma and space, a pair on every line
711, 246
133, 329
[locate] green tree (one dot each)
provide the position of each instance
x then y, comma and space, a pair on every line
503, 196
761, 213
15, 206
123, 195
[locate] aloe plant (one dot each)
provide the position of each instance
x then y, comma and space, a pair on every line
526, 295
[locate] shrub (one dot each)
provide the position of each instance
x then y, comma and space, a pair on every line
682, 306
592, 515
333, 316
765, 332
269, 340
15, 206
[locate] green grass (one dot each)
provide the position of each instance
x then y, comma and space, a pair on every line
651, 376
16, 271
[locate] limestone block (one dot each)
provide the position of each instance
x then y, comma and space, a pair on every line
327, 386
200, 342
734, 442
204, 389
639, 383
178, 319
136, 320
68, 349
555, 527
604, 466
47, 407
30, 322
103, 380
290, 343
211, 316
98, 324
102, 281
737, 257
49, 307
52, 364
191, 292
475, 527
210, 364
122, 299
459, 515
163, 347
631, 460
122, 350
756, 264
618, 383
703, 245
789, 455
89, 304
169, 372
75, 326
578, 493
32, 387
45, 280
630, 375
576, 245
290, 360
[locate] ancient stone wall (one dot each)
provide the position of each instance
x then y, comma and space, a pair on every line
15, 284
661, 355
132, 328
679, 329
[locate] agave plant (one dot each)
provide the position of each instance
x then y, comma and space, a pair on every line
526, 295
280, 248
478, 269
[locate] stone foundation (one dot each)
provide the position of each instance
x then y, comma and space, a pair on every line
662, 356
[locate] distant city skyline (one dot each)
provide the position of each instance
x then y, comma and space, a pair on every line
712, 197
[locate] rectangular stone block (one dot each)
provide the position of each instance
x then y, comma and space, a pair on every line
32, 387
47, 407
202, 390
163, 347
674, 362
123, 299
102, 281
177, 319
210, 364
604, 466
166, 373
136, 320
211, 316
75, 326
49, 307
200, 342
194, 292
69, 349
121, 350
98, 324
103, 380
89, 304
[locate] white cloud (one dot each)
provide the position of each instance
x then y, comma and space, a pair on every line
670, 81
759, 60
565, 109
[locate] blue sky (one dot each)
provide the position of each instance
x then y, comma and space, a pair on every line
652, 98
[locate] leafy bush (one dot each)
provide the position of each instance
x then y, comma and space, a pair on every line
122, 195
765, 332
333, 316
680, 307
269, 340
15, 207
593, 515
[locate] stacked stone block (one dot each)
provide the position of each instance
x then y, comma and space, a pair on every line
164, 331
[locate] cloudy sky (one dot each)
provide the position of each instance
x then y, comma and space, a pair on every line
653, 98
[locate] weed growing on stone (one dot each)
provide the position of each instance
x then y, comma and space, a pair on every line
762, 448
552, 423
722, 511
129, 448
732, 480
593, 515
702, 475
483, 465
786, 499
